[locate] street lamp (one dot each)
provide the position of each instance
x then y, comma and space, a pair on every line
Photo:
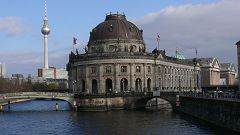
137, 85
179, 85
123, 85
74, 86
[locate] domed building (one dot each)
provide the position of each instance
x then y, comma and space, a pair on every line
116, 60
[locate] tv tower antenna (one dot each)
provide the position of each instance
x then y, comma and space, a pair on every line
45, 31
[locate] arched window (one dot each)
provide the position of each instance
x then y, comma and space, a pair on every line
108, 85
83, 86
124, 85
138, 85
149, 84
94, 86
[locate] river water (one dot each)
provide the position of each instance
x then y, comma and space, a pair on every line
40, 118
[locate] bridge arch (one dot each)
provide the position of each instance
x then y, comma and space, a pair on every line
150, 103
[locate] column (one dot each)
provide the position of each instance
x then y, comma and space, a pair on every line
144, 77
116, 78
88, 83
132, 87
101, 81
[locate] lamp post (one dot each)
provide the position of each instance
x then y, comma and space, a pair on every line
123, 85
74, 86
138, 85
179, 85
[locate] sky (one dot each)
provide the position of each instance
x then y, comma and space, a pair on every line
211, 26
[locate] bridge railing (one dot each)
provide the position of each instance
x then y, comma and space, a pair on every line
216, 96
110, 94
35, 94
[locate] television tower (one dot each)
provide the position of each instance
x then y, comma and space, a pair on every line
45, 31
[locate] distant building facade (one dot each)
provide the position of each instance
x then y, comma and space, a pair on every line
17, 79
3, 70
53, 73
210, 71
238, 55
228, 73
116, 60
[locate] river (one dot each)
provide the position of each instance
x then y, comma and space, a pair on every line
40, 118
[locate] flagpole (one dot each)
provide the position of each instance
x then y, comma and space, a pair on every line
158, 39
74, 43
196, 52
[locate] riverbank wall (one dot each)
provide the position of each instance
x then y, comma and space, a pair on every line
220, 112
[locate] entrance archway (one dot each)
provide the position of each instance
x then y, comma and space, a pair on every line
108, 85
94, 87
124, 84
149, 84
83, 86
138, 85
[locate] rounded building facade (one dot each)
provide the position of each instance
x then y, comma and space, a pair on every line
116, 60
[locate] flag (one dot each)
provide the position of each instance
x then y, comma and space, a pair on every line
196, 51
74, 40
158, 37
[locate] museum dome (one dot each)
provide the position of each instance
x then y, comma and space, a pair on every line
116, 26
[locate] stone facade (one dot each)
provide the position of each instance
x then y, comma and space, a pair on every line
210, 71
238, 54
228, 73
116, 61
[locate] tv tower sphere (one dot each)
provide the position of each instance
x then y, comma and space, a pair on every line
45, 29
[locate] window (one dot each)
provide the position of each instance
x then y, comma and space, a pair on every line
108, 69
149, 69
125, 48
110, 28
138, 69
159, 70
93, 70
123, 68
131, 28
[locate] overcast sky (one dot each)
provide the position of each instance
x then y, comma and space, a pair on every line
211, 26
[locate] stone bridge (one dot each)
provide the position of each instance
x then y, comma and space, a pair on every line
121, 100
25, 96
90, 102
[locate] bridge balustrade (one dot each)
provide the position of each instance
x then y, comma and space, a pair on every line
110, 94
35, 94
216, 96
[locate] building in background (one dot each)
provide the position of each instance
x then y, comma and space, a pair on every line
210, 72
3, 70
217, 76
228, 73
53, 75
238, 55
17, 79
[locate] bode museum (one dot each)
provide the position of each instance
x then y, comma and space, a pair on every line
116, 60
